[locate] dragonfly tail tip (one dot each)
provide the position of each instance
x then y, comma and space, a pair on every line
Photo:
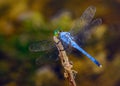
100, 66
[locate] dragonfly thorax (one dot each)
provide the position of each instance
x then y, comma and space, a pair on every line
65, 37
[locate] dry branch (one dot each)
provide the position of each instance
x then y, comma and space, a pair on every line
68, 72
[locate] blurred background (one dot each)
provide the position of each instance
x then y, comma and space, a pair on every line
25, 21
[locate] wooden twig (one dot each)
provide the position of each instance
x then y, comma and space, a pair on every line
68, 72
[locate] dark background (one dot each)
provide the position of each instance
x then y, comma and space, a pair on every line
25, 21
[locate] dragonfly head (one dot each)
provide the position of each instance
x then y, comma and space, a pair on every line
57, 31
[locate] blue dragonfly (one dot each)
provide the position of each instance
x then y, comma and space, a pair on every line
81, 30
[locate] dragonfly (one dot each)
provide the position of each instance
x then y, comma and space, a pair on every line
81, 30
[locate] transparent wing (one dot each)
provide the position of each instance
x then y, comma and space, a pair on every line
41, 46
86, 33
49, 57
83, 21
48, 52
